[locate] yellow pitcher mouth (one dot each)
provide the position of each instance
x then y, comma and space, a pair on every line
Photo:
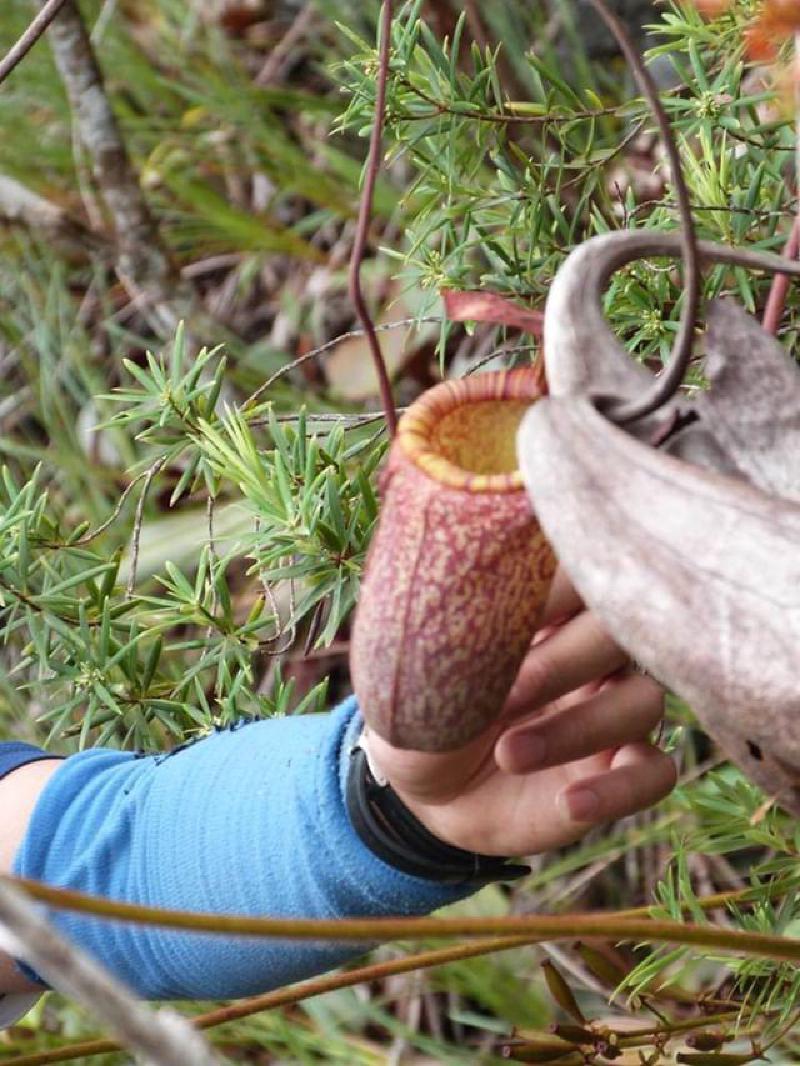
463, 433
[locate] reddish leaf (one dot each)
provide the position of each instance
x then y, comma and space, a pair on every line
759, 44
490, 307
713, 8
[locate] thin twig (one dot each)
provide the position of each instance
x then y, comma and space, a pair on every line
157, 1038
280, 629
286, 997
286, 46
348, 421
38, 25
724, 209
364, 217
327, 347
212, 552
499, 354
93, 534
501, 117
137, 524
270, 596
780, 283
670, 380
314, 626
776, 301
356, 421
629, 137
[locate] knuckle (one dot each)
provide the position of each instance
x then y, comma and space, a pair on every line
650, 699
544, 669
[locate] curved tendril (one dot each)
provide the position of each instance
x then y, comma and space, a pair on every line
668, 383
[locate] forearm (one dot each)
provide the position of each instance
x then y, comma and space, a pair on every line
247, 821
20, 787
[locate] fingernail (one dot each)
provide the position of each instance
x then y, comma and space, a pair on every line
583, 804
529, 750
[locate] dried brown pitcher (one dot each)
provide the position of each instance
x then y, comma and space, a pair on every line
689, 553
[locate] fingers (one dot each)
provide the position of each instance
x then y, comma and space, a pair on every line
578, 652
625, 711
640, 775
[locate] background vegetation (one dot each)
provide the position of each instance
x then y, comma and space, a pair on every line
182, 534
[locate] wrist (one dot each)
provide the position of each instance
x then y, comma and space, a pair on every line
428, 813
393, 831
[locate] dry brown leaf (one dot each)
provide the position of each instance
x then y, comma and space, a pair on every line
696, 573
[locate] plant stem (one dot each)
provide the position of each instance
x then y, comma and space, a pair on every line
616, 925
780, 283
36, 28
779, 289
284, 997
364, 215
143, 262
667, 384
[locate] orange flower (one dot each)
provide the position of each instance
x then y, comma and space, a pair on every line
777, 21
780, 18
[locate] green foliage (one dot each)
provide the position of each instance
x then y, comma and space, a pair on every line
154, 574
116, 665
502, 190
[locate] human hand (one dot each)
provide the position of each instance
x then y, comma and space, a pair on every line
569, 750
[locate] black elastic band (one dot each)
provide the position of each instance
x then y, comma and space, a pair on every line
395, 835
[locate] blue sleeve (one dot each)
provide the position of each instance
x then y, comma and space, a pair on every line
250, 820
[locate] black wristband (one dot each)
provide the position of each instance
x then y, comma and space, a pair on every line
395, 835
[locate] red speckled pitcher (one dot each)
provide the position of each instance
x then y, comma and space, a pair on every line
458, 570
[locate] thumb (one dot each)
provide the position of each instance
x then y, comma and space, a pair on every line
427, 776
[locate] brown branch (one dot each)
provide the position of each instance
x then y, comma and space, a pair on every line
618, 925
378, 971
286, 47
779, 289
364, 215
142, 262
38, 25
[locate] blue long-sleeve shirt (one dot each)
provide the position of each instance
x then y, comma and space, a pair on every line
250, 820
